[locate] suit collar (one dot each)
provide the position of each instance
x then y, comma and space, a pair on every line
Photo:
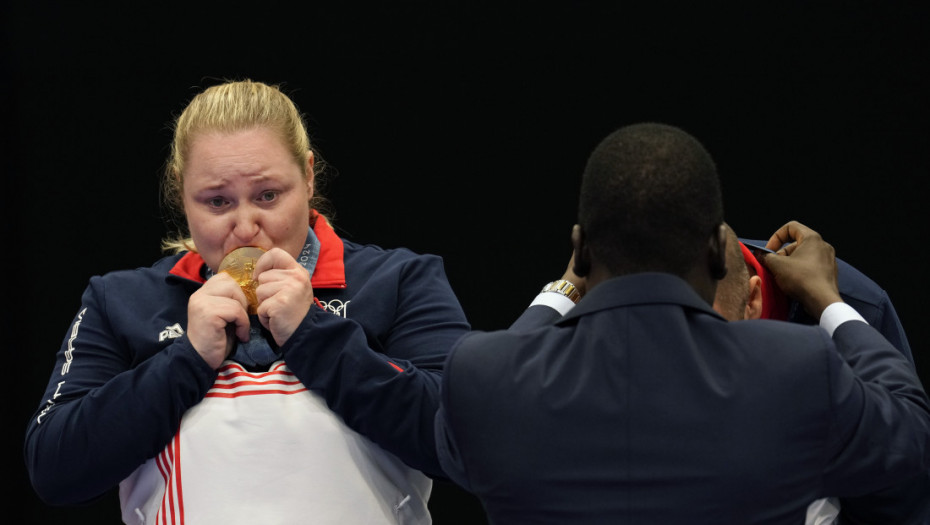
639, 289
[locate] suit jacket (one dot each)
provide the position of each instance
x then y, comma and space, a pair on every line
644, 406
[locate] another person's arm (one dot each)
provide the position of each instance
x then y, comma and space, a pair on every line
882, 414
549, 306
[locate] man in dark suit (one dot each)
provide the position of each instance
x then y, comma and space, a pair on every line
749, 291
643, 405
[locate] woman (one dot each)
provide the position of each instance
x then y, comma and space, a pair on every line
203, 413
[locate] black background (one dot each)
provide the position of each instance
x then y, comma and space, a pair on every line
455, 128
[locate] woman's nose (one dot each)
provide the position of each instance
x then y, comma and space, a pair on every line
246, 225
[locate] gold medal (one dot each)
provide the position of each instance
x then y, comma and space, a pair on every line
239, 264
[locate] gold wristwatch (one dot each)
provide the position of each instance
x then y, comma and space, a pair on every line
565, 288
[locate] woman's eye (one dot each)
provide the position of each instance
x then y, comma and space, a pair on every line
216, 202
268, 196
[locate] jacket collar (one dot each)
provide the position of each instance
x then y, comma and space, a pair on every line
639, 289
330, 269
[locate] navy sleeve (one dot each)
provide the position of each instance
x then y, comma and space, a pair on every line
890, 326
101, 417
534, 317
906, 502
450, 457
880, 416
387, 389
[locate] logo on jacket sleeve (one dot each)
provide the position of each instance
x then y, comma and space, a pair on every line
171, 332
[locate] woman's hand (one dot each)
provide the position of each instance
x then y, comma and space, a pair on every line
219, 303
284, 293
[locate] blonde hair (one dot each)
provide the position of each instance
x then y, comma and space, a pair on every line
227, 108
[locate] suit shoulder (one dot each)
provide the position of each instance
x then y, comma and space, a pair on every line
855, 285
488, 352
766, 337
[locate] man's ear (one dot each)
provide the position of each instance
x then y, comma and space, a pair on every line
717, 253
582, 266
754, 301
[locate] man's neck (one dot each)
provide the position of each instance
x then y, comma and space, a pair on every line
701, 282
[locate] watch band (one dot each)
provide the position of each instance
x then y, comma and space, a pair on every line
565, 288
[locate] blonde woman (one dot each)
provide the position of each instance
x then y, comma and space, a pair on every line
302, 394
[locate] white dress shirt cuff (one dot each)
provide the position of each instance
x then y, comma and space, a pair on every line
556, 301
837, 314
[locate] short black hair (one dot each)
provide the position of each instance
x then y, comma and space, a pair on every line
650, 200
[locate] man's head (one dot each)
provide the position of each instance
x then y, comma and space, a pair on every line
749, 290
651, 202
739, 293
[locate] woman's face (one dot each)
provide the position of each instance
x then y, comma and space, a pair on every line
244, 189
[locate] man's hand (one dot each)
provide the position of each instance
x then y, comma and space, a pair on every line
804, 267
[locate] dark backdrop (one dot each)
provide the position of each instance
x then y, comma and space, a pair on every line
456, 128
